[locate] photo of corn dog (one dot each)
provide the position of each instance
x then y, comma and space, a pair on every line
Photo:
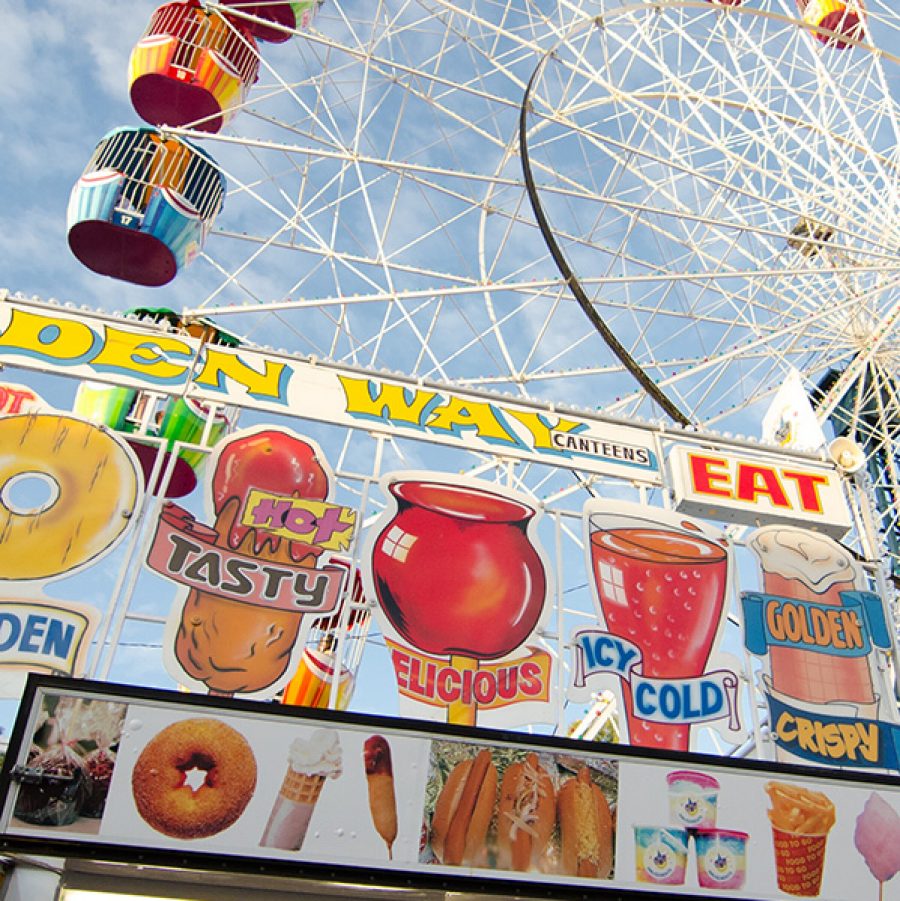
380, 782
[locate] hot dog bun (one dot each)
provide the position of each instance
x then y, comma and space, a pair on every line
463, 811
526, 815
586, 828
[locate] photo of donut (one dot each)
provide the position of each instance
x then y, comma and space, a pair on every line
194, 778
91, 488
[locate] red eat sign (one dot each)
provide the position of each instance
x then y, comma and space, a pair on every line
786, 489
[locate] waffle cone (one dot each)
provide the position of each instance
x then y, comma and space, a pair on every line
301, 788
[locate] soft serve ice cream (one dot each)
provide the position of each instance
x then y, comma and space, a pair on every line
310, 762
319, 755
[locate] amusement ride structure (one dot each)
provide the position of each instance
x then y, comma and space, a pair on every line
657, 211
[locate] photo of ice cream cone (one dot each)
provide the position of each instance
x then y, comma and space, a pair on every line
801, 820
310, 762
300, 788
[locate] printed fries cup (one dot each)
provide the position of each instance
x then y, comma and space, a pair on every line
801, 820
799, 861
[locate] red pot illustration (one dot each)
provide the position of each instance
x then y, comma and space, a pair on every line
456, 573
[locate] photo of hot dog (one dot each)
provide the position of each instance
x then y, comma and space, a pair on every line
526, 815
464, 810
380, 781
586, 828
521, 810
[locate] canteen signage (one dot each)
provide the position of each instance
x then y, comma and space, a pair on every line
848, 628
257, 572
661, 584
749, 489
819, 634
129, 354
19, 399
709, 697
474, 658
823, 739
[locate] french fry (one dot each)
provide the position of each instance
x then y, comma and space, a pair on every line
799, 810
801, 820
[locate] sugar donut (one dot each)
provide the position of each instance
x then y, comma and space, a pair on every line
94, 487
172, 806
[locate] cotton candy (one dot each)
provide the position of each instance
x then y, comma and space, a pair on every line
877, 838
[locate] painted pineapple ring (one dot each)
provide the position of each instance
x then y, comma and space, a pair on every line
93, 482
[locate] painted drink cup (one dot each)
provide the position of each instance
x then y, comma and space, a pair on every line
661, 584
808, 567
311, 685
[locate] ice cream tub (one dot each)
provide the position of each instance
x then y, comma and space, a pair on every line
693, 799
660, 854
721, 858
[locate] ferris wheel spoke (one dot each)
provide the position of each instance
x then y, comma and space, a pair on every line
722, 182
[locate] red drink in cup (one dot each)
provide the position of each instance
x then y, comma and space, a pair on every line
661, 587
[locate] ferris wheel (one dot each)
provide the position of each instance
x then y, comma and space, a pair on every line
655, 209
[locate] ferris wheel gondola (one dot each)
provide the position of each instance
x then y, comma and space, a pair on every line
192, 67
144, 205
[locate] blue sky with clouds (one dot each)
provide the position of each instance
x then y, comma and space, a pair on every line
66, 86
439, 230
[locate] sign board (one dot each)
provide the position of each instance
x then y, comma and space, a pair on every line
819, 630
44, 635
753, 489
124, 353
661, 584
299, 793
254, 578
461, 582
19, 399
